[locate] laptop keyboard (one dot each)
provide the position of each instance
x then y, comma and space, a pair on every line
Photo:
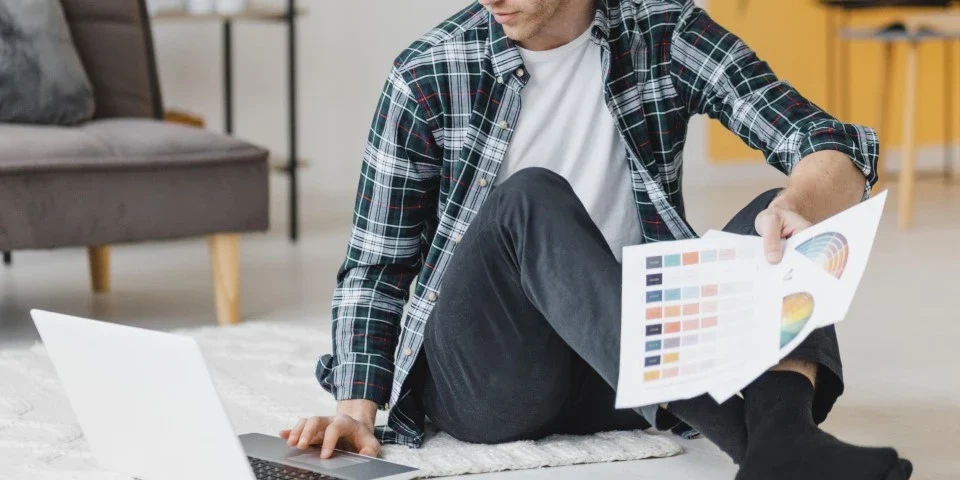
265, 470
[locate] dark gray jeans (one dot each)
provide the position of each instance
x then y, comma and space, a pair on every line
524, 340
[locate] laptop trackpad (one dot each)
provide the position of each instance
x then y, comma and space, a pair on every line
343, 465
349, 466
313, 460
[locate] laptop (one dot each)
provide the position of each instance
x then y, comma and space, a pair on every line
148, 408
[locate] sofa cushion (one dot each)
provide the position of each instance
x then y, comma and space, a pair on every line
117, 181
42, 80
117, 144
115, 45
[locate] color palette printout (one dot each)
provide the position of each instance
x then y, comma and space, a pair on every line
692, 311
710, 315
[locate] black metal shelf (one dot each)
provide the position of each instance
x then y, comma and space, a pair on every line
288, 17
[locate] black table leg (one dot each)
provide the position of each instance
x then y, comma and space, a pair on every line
292, 169
7, 258
228, 76
292, 97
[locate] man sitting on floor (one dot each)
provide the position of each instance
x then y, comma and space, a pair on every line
516, 149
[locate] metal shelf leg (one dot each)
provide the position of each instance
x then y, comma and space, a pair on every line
292, 97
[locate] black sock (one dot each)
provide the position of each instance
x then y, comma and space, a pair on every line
722, 424
785, 443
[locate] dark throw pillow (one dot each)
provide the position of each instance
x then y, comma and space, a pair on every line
42, 80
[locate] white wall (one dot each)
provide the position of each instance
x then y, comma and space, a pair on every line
345, 54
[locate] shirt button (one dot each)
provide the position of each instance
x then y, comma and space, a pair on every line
520, 72
457, 238
432, 297
407, 352
500, 79
482, 182
504, 124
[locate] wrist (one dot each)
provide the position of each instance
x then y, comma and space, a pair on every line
361, 410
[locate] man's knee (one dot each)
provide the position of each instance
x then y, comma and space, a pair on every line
534, 177
531, 193
744, 221
534, 183
763, 200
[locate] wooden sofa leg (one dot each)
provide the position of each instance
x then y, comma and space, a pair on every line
99, 257
225, 260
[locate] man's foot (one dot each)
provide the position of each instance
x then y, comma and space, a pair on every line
784, 443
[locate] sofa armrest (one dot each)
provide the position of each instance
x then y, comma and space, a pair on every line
184, 118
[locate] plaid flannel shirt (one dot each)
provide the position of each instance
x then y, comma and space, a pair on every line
441, 130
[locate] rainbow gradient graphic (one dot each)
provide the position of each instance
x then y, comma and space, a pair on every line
829, 250
797, 311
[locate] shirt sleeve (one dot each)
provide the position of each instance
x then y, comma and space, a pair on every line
716, 74
398, 181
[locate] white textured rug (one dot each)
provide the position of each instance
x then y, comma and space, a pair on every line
264, 374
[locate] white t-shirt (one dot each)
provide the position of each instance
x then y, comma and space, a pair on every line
565, 126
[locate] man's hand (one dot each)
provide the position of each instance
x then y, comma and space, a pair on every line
822, 184
351, 429
776, 223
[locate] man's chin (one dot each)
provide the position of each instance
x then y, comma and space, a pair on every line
518, 33
514, 34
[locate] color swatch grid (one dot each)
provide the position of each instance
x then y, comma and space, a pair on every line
693, 306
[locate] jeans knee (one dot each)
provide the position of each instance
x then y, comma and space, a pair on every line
534, 177
763, 200
534, 182
533, 190
744, 221
531, 198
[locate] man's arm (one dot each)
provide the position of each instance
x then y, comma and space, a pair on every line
832, 165
823, 184
397, 194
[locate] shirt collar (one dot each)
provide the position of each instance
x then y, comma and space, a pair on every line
601, 20
503, 51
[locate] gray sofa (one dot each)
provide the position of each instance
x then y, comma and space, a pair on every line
127, 175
